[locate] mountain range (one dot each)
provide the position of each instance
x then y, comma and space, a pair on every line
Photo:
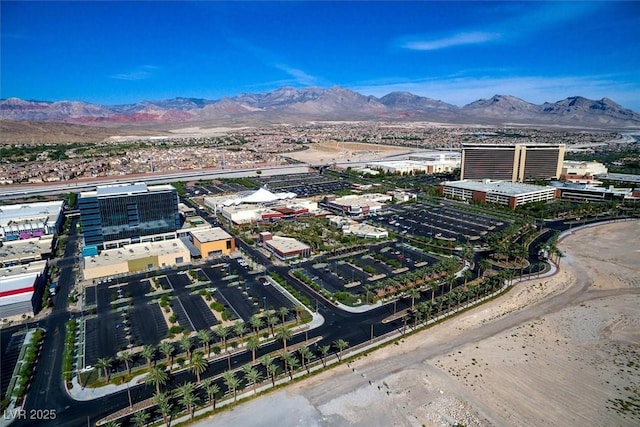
290, 105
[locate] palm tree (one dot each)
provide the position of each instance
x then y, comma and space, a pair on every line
434, 289
252, 375
167, 349
270, 367
413, 293
340, 345
272, 321
199, 365
161, 400
253, 344
284, 334
186, 344
158, 377
324, 351
105, 364
222, 332
287, 358
112, 423
204, 336
305, 355
256, 323
367, 289
239, 329
126, 357
231, 381
466, 274
212, 390
148, 351
140, 418
188, 398
283, 311
485, 265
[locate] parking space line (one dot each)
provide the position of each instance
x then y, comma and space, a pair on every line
180, 302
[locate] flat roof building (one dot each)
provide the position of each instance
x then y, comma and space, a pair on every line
124, 213
512, 162
136, 257
510, 194
578, 169
284, 248
25, 251
21, 288
213, 242
27, 220
357, 204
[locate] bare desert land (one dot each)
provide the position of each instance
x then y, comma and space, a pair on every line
559, 351
335, 151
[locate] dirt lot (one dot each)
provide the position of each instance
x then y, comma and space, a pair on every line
347, 151
552, 352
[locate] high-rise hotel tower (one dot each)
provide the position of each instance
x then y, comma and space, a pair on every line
512, 162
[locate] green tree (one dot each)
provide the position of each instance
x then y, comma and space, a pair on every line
167, 349
324, 351
231, 382
213, 390
256, 323
340, 345
413, 293
283, 311
270, 367
485, 265
204, 336
158, 377
140, 418
306, 355
272, 321
239, 329
188, 397
126, 357
186, 344
148, 351
104, 363
252, 345
252, 375
199, 365
162, 401
284, 334
222, 332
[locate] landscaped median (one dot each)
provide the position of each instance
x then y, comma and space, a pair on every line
23, 371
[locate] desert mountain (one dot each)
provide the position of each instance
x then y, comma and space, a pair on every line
307, 104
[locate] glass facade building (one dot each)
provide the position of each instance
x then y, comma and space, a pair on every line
127, 212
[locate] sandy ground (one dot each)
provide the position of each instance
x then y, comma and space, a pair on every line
348, 151
552, 352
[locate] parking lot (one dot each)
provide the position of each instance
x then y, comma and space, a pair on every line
350, 272
128, 313
305, 185
10, 345
219, 187
438, 221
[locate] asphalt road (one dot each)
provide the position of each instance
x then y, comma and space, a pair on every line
47, 389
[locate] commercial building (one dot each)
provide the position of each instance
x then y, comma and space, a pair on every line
572, 169
136, 257
213, 242
588, 193
21, 288
360, 229
25, 251
284, 248
412, 167
510, 194
512, 162
27, 220
357, 204
115, 215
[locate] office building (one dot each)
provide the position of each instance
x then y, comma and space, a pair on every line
28, 220
115, 215
512, 162
510, 194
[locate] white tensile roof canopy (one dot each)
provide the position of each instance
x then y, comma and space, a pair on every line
262, 195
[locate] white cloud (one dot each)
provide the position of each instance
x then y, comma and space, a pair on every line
535, 89
454, 40
300, 76
140, 73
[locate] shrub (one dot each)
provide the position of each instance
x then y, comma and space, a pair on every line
175, 329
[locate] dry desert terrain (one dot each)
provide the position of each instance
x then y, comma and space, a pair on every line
559, 351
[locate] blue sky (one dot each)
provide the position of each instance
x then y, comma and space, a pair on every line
120, 52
